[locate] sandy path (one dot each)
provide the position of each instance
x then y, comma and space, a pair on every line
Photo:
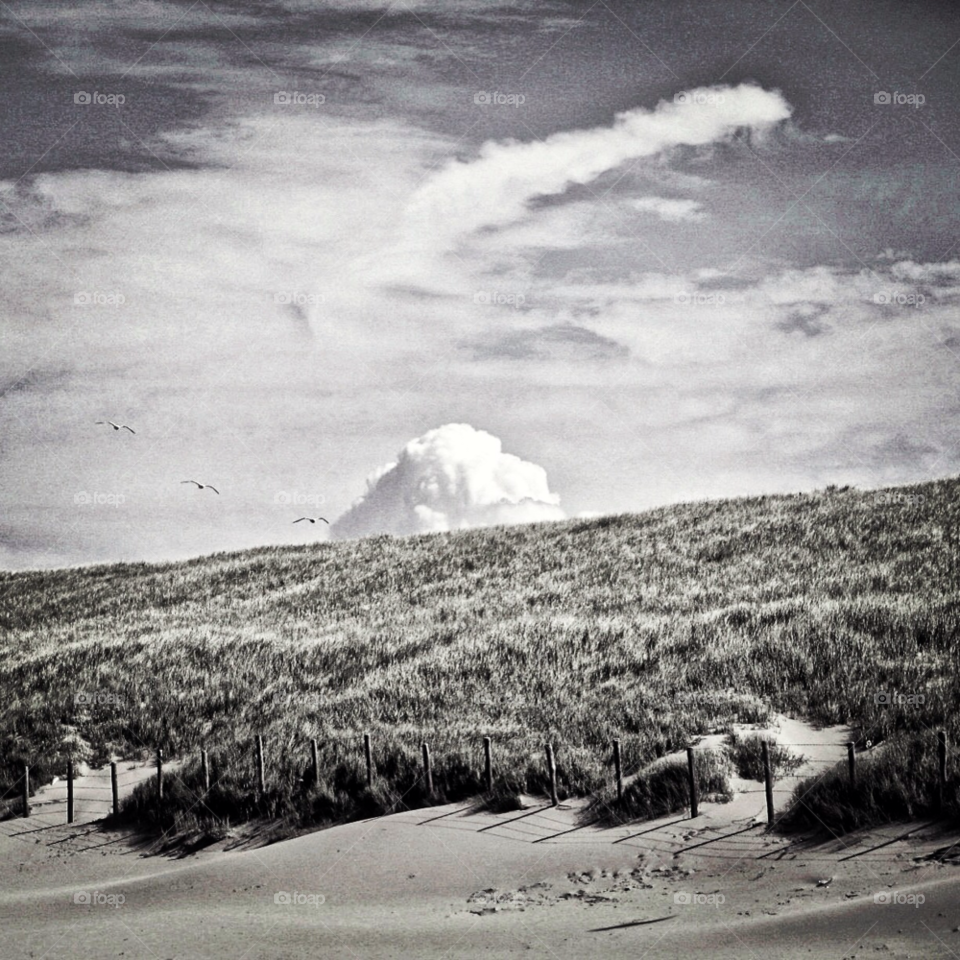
92, 794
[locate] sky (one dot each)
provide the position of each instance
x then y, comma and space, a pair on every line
433, 264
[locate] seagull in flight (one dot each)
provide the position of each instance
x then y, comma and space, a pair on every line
314, 520
203, 486
117, 426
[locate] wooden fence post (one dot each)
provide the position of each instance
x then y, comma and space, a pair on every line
552, 770
114, 787
205, 768
768, 779
487, 764
942, 765
852, 762
427, 772
69, 791
260, 774
692, 778
26, 790
368, 755
315, 763
159, 775
618, 768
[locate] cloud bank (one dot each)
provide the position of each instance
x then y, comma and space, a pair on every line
451, 478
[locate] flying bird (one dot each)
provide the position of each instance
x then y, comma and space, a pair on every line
117, 426
314, 520
203, 486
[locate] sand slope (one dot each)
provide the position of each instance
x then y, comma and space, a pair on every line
468, 885
448, 882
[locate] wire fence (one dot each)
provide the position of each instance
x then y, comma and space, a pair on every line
99, 801
104, 798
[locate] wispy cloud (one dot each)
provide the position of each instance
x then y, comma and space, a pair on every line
672, 210
466, 197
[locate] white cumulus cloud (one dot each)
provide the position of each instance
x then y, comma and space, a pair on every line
451, 478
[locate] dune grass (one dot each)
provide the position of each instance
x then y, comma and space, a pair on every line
898, 781
746, 754
662, 789
839, 606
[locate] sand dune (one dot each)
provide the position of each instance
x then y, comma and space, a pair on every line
454, 882
450, 883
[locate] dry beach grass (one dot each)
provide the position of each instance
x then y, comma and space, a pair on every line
839, 606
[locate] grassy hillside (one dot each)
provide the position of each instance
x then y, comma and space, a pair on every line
651, 627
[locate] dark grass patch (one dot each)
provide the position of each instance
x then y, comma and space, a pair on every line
663, 788
899, 782
746, 753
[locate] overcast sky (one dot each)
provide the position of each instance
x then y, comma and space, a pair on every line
472, 262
